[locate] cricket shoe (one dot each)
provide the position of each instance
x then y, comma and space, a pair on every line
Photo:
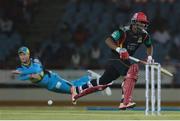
96, 76
93, 74
108, 91
73, 94
122, 106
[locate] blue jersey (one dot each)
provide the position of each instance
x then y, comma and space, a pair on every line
35, 67
49, 80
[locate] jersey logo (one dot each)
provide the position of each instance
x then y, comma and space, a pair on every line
58, 85
140, 40
116, 35
36, 61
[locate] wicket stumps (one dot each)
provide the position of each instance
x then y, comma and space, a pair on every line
153, 77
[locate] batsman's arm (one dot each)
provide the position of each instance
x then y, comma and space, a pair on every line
150, 50
148, 42
113, 38
110, 43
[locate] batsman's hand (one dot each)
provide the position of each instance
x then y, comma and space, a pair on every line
150, 59
123, 53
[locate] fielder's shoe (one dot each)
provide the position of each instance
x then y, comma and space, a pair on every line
122, 106
73, 94
93, 74
96, 76
108, 91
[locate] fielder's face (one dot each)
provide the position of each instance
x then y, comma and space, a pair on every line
24, 58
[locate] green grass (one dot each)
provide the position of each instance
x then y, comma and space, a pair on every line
72, 113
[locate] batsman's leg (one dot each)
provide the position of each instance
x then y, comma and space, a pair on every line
95, 75
91, 75
128, 87
87, 91
98, 84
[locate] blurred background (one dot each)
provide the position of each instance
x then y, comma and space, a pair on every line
68, 37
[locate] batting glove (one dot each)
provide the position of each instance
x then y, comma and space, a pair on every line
123, 53
150, 60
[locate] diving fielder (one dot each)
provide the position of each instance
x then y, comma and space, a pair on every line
32, 69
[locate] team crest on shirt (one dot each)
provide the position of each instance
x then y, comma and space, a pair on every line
140, 40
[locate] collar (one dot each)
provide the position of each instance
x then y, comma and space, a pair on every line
26, 64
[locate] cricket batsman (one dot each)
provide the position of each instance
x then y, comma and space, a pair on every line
32, 69
122, 42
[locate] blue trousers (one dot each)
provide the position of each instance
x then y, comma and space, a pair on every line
53, 82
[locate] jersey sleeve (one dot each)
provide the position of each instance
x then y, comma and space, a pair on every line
148, 41
37, 61
116, 35
19, 68
23, 77
34, 70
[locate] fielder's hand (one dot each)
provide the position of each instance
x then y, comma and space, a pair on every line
16, 72
35, 76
